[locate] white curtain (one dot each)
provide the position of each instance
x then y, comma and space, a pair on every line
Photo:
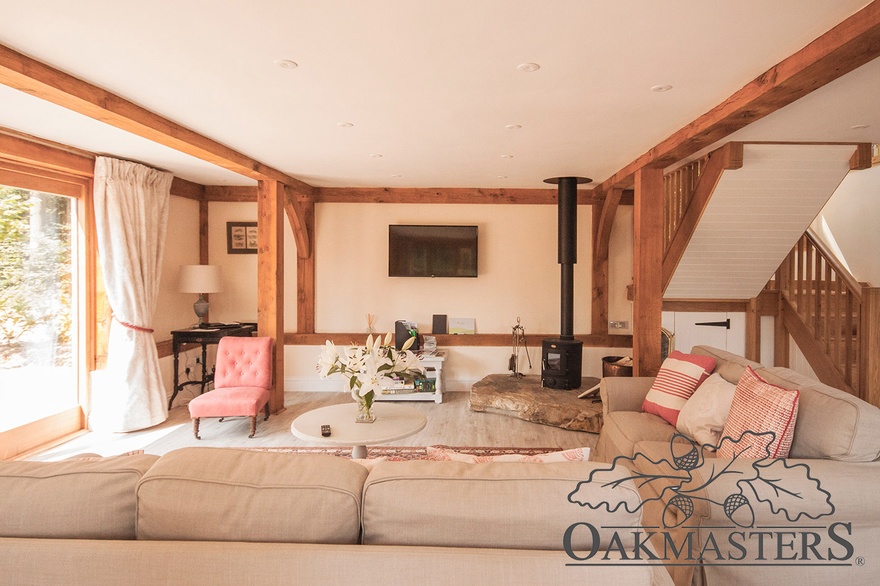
131, 214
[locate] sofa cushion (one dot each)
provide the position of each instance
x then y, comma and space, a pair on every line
238, 495
759, 407
831, 423
500, 505
705, 413
624, 429
92, 498
679, 377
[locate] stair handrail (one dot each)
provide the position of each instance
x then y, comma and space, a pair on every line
842, 272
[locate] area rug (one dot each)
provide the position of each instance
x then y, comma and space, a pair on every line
405, 452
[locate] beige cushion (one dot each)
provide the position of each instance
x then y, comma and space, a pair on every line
504, 505
705, 413
86, 499
624, 429
831, 423
237, 495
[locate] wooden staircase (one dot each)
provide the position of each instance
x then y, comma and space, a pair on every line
832, 317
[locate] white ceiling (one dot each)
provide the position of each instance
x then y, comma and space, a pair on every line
429, 85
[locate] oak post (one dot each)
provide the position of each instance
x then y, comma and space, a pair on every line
647, 273
270, 278
869, 352
753, 331
599, 306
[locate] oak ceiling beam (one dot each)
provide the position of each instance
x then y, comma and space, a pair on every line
188, 189
453, 195
53, 85
844, 48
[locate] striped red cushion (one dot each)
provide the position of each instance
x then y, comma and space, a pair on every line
679, 377
759, 407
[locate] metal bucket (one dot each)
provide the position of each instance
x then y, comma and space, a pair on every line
611, 369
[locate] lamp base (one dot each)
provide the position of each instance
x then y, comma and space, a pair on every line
201, 308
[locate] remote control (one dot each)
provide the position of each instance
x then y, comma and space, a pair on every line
325, 430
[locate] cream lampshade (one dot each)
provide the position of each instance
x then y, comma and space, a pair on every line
201, 279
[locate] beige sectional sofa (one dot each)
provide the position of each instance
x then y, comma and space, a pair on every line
816, 513
224, 516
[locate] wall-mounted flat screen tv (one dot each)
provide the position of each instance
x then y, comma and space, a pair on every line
432, 251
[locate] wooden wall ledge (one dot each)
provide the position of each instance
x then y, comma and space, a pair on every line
443, 340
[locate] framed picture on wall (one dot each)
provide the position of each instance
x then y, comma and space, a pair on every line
241, 237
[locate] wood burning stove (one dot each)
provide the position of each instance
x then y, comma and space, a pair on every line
562, 357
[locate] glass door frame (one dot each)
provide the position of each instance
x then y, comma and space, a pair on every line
39, 167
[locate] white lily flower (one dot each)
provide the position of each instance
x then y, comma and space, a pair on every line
387, 339
408, 344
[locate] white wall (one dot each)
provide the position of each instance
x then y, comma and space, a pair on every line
853, 216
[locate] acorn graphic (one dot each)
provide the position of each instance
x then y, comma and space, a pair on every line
739, 510
687, 461
678, 506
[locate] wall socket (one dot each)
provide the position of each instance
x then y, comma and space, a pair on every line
618, 325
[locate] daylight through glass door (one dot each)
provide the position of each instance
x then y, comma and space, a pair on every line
38, 306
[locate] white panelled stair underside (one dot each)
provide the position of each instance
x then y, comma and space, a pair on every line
755, 217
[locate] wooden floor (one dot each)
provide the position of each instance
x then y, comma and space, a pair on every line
450, 423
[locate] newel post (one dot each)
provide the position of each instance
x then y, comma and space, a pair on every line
869, 352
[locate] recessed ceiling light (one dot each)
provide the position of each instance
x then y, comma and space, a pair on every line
528, 67
661, 88
506, 156
397, 176
376, 155
286, 63
859, 126
502, 176
344, 124
513, 126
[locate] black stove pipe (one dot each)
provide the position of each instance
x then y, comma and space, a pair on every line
567, 194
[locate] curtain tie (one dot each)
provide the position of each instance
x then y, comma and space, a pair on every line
134, 327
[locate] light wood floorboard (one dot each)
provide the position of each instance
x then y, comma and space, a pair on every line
450, 423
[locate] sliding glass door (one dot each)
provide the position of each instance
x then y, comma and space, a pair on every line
38, 317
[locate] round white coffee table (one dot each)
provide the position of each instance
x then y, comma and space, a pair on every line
393, 422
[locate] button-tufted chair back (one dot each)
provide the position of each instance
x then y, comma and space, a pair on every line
244, 362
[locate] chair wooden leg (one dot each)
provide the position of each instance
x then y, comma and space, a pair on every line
253, 426
266, 409
196, 428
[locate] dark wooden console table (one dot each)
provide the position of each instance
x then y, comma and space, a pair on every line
204, 337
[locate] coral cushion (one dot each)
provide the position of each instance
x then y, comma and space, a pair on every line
759, 407
679, 377
229, 402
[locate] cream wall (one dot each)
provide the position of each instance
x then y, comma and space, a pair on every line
238, 301
853, 216
518, 277
174, 309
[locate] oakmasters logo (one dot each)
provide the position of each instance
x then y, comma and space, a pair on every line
706, 509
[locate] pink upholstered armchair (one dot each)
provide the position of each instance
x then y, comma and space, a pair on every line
242, 380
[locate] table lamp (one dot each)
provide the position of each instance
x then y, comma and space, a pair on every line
201, 279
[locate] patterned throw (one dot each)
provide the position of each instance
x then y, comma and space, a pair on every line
400, 453
759, 407
679, 377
